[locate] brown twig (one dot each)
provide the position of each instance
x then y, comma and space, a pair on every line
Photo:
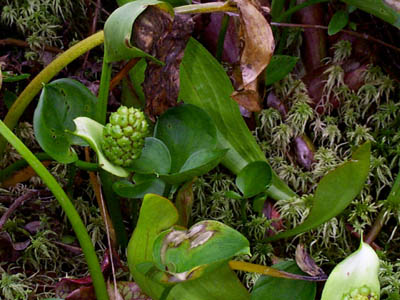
17, 202
99, 197
92, 28
123, 72
356, 34
19, 43
377, 226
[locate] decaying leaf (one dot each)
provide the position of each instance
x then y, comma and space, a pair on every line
258, 41
164, 37
249, 98
306, 263
9, 251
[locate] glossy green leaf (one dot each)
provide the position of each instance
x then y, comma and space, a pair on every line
254, 178
379, 9
156, 215
185, 129
338, 21
155, 158
60, 102
197, 164
204, 83
272, 288
127, 189
279, 67
205, 243
92, 132
118, 30
335, 191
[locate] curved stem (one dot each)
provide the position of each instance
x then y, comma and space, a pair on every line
202, 8
69, 209
45, 76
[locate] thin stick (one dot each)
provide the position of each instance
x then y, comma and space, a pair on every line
94, 180
111, 245
17, 202
359, 35
19, 43
123, 72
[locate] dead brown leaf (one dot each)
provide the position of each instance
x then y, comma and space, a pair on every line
306, 263
258, 40
248, 99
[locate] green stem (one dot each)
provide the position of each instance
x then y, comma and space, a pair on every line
392, 200
104, 90
166, 292
76, 222
45, 76
221, 37
297, 8
202, 8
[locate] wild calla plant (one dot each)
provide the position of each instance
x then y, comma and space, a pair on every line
355, 278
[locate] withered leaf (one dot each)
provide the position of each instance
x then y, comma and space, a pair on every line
306, 263
248, 99
258, 40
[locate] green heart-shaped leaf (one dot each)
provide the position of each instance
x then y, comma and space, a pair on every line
118, 30
197, 164
61, 101
205, 243
127, 189
155, 158
92, 132
253, 179
185, 129
156, 215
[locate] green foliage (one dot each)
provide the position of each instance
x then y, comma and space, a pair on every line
157, 214
213, 95
254, 179
61, 101
177, 158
